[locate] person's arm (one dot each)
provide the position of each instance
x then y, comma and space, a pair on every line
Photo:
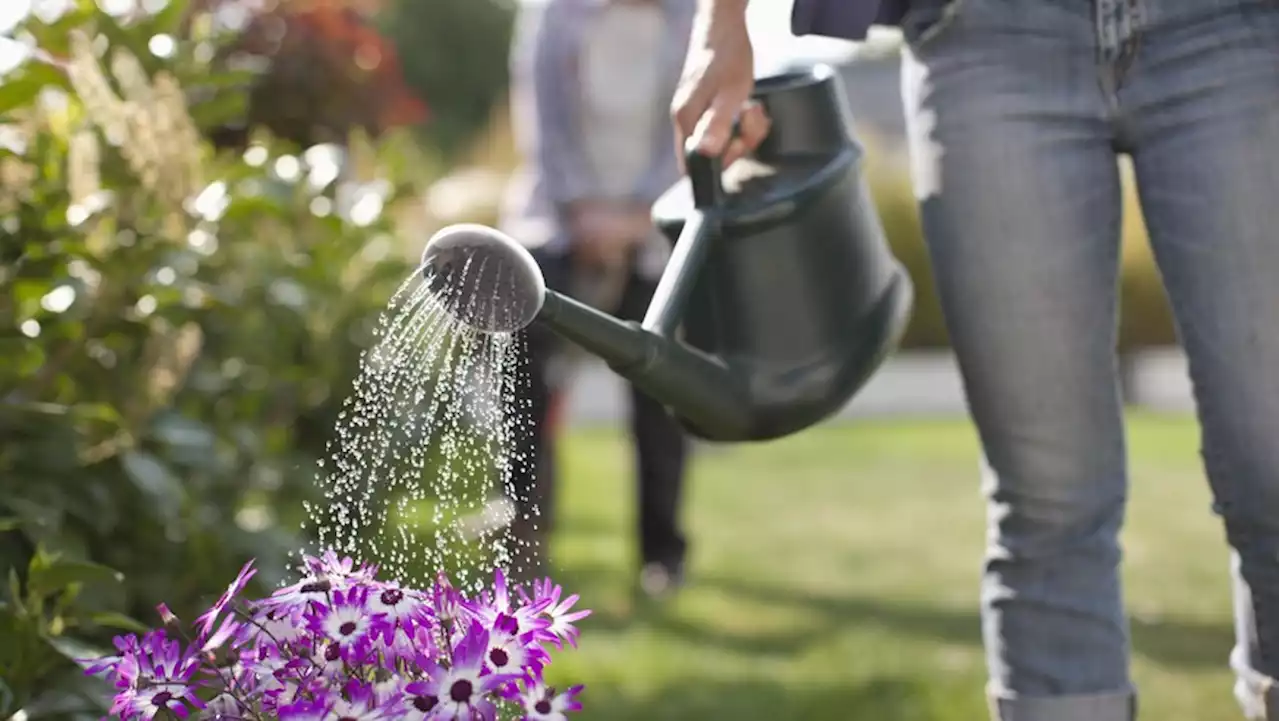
545, 100
664, 170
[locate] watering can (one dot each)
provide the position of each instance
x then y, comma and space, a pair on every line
781, 296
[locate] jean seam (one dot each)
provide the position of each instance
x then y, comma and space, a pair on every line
930, 35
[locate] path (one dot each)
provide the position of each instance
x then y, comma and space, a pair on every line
911, 385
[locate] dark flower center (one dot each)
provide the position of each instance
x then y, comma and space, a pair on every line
391, 597
425, 703
162, 698
332, 653
347, 628
542, 707
348, 718
460, 691
499, 658
319, 586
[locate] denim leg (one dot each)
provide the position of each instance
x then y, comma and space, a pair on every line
1019, 192
1201, 107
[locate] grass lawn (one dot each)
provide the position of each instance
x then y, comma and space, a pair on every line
833, 578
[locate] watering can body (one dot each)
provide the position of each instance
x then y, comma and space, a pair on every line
781, 297
798, 294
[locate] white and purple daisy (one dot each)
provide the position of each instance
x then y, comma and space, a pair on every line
511, 653
542, 703
464, 690
344, 645
487, 608
359, 702
306, 709
329, 565
279, 626
400, 612
207, 620
154, 675
546, 597
346, 620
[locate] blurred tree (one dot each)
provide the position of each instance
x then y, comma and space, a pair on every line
453, 52
320, 70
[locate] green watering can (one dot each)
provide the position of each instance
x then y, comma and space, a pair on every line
781, 297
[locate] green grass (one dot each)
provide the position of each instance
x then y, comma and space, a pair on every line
833, 578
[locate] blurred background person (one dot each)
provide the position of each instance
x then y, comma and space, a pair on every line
591, 83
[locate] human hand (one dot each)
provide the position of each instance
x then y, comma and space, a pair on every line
715, 86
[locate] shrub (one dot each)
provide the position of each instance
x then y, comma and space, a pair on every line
890, 185
1145, 319
325, 71
179, 328
454, 52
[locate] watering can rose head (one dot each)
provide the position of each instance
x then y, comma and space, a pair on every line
341, 643
484, 278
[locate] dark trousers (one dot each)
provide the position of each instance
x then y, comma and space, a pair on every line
661, 448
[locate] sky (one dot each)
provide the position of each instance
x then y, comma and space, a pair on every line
768, 22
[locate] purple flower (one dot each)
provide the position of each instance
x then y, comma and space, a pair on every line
510, 653
421, 700
344, 645
547, 597
347, 620
462, 691
209, 618
446, 602
121, 667
152, 675
487, 608
232, 632
400, 611
542, 703
361, 703
305, 710
329, 565
279, 626
297, 598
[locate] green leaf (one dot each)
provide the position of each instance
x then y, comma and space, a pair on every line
72, 695
15, 592
10, 524
22, 90
156, 481
122, 37
112, 619
75, 650
225, 108
169, 17
177, 430
50, 574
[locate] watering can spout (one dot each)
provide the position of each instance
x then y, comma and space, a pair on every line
490, 282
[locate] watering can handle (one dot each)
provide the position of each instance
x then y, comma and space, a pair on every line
700, 230
704, 178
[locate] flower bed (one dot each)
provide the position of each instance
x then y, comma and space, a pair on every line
342, 644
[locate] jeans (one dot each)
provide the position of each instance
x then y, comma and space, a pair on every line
1017, 111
